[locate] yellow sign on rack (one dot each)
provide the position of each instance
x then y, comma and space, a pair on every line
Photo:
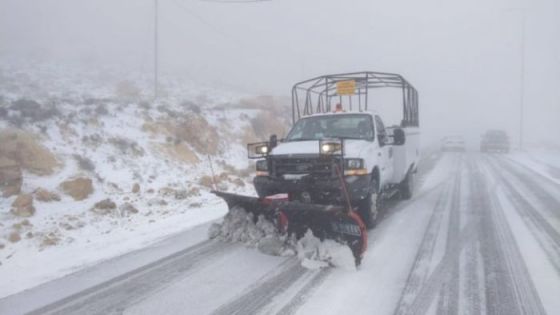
346, 87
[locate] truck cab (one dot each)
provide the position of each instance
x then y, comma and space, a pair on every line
337, 156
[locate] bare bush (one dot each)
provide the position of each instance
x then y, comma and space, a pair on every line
33, 111
196, 131
164, 109
127, 90
145, 105
84, 163
93, 140
101, 110
127, 146
191, 106
266, 123
95, 101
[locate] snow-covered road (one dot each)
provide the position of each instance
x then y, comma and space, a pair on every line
481, 236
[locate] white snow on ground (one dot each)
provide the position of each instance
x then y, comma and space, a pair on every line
52, 291
440, 173
123, 140
543, 161
31, 267
218, 281
543, 273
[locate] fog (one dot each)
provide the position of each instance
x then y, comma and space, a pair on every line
464, 57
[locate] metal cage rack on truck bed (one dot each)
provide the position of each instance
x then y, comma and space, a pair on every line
318, 95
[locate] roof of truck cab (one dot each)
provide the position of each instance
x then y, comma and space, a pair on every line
371, 113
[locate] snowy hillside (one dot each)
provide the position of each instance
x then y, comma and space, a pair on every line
88, 162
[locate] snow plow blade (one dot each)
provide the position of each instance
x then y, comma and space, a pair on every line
294, 218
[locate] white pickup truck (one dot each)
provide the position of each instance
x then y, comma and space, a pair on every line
336, 139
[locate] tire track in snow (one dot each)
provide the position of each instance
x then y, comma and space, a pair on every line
418, 276
473, 279
547, 236
302, 295
118, 293
440, 275
263, 291
472, 276
535, 186
449, 293
508, 286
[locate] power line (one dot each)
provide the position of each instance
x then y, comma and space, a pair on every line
235, 1
201, 19
156, 49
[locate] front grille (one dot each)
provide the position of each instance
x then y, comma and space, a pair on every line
316, 166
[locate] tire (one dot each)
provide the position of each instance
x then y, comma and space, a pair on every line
369, 209
407, 186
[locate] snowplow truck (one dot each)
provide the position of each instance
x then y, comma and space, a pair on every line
337, 165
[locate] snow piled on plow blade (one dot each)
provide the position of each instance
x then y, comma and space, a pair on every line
240, 226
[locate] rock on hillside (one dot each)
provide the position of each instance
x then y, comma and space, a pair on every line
78, 188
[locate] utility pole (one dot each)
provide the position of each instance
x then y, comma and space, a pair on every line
155, 49
522, 79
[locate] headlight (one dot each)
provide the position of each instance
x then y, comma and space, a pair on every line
263, 149
258, 150
262, 165
353, 163
328, 147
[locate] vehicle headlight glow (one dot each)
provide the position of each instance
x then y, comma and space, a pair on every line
263, 149
326, 148
330, 147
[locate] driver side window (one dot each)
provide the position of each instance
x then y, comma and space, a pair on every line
381, 133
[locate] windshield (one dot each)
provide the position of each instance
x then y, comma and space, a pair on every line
349, 126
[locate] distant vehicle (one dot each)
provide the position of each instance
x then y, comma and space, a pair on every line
494, 141
455, 143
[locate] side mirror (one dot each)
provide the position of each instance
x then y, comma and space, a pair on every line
273, 141
399, 137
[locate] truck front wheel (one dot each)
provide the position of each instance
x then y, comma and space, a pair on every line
407, 186
368, 209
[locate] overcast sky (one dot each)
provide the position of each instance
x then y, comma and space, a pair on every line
464, 57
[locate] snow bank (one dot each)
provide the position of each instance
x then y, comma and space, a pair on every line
239, 226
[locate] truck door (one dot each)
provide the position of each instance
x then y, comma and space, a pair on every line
385, 153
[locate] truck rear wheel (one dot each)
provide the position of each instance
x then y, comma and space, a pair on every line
369, 209
407, 186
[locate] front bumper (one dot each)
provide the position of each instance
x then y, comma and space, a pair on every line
453, 148
321, 190
495, 147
